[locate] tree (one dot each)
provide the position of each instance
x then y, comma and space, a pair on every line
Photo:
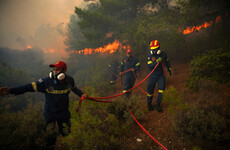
109, 16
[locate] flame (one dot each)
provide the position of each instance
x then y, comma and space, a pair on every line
29, 47
107, 49
189, 30
48, 50
51, 50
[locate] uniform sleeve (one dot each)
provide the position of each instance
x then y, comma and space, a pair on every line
76, 90
118, 66
38, 86
167, 63
137, 65
122, 66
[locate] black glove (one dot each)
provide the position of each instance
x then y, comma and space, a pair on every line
170, 71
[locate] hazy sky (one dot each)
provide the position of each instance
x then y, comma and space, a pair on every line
34, 23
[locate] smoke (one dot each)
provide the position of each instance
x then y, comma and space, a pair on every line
37, 23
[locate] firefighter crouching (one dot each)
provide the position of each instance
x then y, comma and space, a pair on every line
56, 88
129, 62
155, 56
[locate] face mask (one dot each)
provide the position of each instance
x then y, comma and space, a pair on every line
158, 52
59, 76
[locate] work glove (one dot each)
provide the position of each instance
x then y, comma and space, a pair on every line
4, 91
170, 71
84, 95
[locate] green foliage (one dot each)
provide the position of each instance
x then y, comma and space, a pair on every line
213, 65
13, 77
200, 124
93, 128
196, 148
100, 125
173, 99
160, 26
26, 130
10, 76
120, 108
95, 74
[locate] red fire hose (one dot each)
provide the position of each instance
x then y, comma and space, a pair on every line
147, 131
90, 98
97, 100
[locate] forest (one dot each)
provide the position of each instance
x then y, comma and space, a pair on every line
195, 36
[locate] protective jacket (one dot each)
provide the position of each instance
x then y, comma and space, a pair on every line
56, 95
153, 59
157, 75
129, 77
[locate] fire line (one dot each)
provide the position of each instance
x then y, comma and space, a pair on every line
189, 30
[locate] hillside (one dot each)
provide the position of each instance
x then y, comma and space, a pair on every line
160, 125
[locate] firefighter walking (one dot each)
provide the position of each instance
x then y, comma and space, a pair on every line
132, 63
158, 76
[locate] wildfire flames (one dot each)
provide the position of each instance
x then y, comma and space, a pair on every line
29, 47
113, 47
107, 49
189, 30
48, 50
43, 49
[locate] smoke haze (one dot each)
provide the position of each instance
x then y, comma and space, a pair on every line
35, 24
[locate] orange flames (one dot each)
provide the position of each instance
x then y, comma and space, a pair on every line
29, 47
107, 49
48, 50
189, 30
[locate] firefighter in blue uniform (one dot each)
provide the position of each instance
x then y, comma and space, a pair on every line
114, 66
56, 88
155, 56
129, 62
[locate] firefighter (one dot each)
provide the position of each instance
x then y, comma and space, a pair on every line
129, 62
155, 56
113, 67
56, 88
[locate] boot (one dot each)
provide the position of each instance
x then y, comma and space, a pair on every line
150, 107
158, 107
128, 95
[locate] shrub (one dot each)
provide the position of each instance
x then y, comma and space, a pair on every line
120, 108
173, 99
213, 65
199, 123
99, 125
26, 130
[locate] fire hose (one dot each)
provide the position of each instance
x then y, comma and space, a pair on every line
96, 99
90, 98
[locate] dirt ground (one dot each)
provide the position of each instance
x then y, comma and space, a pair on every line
159, 125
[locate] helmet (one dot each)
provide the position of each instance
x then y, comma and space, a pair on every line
155, 47
129, 51
154, 44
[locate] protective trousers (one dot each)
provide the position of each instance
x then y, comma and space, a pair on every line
129, 81
63, 123
151, 86
113, 79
